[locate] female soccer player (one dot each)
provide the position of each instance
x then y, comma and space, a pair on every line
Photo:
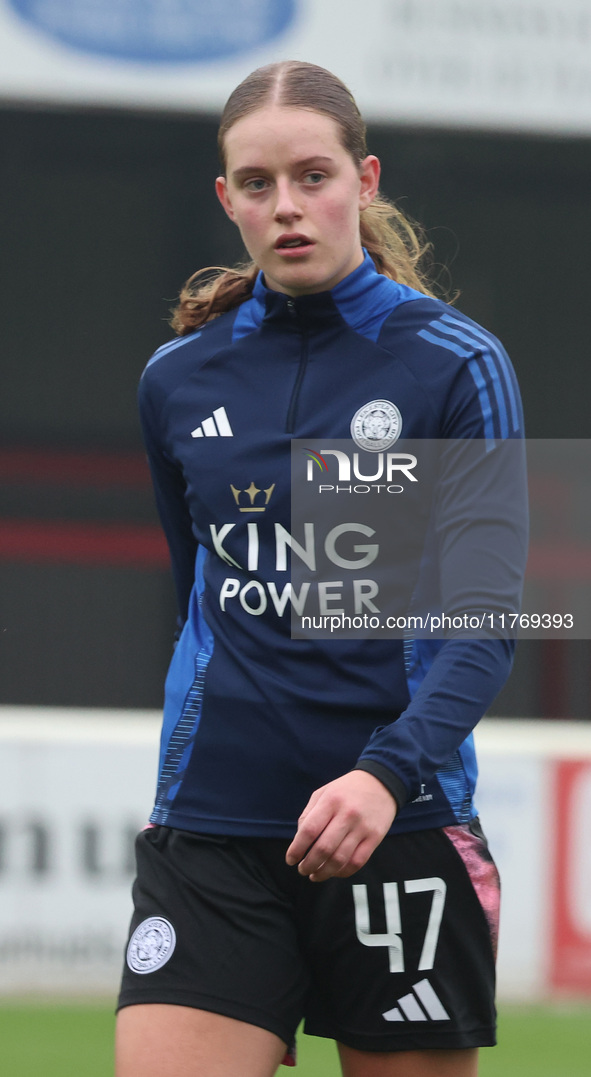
314, 851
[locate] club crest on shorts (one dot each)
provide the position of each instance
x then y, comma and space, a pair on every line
151, 945
376, 426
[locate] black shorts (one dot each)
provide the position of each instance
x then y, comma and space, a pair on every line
398, 957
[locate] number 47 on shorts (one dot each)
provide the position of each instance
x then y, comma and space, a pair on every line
392, 938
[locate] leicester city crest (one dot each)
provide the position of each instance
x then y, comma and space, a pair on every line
376, 426
151, 945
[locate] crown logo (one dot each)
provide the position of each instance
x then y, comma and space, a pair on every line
257, 504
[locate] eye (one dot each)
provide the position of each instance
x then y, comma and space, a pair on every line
313, 178
255, 184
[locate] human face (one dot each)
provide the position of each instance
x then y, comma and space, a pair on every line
296, 194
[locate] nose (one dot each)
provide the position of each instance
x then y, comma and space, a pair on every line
286, 205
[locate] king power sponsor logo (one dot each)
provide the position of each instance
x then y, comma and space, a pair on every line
337, 558
345, 546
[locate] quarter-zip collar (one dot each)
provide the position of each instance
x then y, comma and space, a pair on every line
363, 299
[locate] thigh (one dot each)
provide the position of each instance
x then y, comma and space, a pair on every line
178, 1041
211, 931
402, 953
409, 1063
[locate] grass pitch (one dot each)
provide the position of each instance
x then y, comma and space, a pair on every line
75, 1040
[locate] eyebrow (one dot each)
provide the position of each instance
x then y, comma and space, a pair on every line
246, 170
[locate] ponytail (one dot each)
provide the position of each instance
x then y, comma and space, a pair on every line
211, 292
396, 244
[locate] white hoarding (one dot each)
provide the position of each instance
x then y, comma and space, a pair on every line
505, 64
76, 786
74, 790
534, 799
514, 811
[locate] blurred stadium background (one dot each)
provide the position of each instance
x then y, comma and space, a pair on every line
481, 115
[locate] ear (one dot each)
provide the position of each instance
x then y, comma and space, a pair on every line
221, 189
370, 179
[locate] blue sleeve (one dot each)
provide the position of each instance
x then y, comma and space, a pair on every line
462, 682
480, 538
169, 489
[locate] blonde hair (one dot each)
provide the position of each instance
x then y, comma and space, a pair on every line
395, 243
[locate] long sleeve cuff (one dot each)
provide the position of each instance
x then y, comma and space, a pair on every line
393, 783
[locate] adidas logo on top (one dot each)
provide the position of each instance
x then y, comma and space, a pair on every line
423, 1005
217, 425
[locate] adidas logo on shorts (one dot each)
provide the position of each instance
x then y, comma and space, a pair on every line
423, 1005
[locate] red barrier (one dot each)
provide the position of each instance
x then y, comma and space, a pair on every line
570, 969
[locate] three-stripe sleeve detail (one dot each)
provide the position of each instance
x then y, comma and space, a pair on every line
170, 347
489, 367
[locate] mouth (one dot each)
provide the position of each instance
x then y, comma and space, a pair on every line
293, 242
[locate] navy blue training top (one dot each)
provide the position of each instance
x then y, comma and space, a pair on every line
255, 721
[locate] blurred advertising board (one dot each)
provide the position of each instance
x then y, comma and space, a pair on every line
75, 788
500, 64
77, 785
534, 799
571, 935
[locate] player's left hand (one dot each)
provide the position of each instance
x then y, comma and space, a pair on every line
341, 825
